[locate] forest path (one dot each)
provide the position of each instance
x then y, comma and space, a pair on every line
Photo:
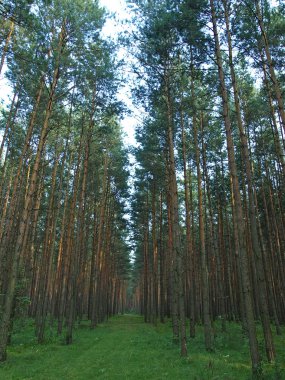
126, 348
123, 348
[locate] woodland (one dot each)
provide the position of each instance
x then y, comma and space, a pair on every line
179, 238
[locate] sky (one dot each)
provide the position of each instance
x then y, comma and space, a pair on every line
4, 87
111, 29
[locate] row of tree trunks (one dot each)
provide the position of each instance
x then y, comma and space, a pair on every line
12, 280
63, 172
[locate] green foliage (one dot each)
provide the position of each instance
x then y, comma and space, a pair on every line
127, 348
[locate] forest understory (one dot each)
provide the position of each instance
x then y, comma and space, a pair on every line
126, 348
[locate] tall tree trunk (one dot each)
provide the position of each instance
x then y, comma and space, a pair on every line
6, 315
177, 253
8, 123
45, 263
95, 281
240, 225
262, 293
189, 243
204, 266
71, 257
162, 263
277, 142
270, 64
6, 46
155, 254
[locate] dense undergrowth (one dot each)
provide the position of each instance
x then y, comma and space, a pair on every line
127, 348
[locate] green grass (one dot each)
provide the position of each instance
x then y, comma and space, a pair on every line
127, 348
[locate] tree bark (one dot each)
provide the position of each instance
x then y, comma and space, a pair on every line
6, 315
6, 46
274, 79
240, 225
204, 266
262, 293
177, 253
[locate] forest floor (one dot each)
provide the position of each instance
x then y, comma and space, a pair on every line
125, 348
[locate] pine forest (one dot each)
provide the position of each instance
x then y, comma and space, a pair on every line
161, 257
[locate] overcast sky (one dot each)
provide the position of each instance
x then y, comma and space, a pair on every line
111, 29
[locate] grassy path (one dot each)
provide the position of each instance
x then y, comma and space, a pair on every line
125, 348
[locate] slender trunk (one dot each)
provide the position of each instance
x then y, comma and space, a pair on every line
146, 263
240, 225
155, 255
177, 253
71, 258
277, 142
7, 126
276, 85
6, 315
162, 262
59, 282
96, 265
46, 262
6, 46
204, 266
189, 243
262, 293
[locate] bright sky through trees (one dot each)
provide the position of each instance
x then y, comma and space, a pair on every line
112, 28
